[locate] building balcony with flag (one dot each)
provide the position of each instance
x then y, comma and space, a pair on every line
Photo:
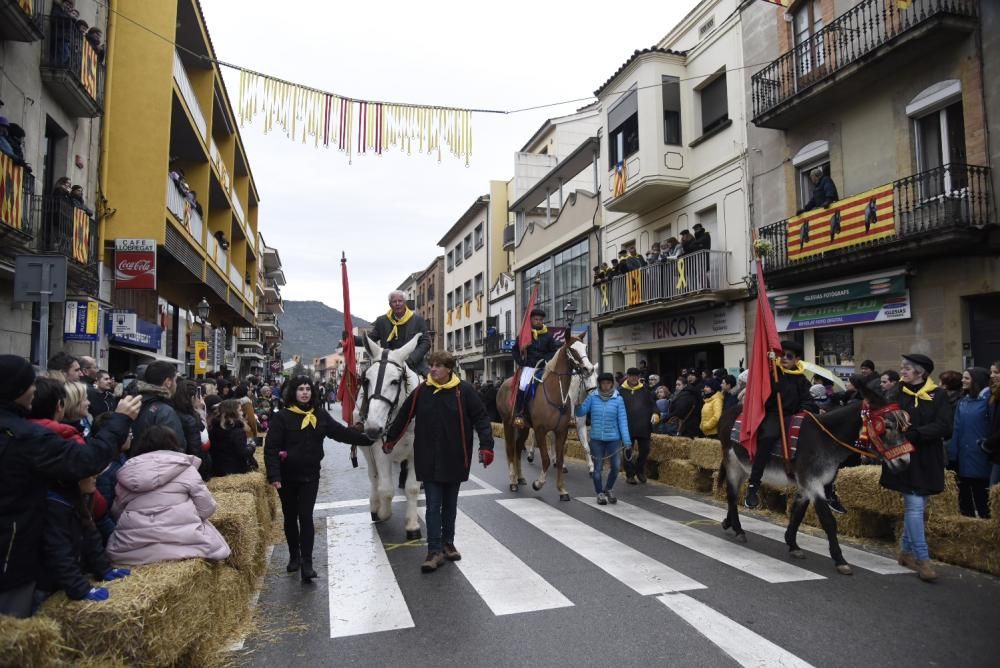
72, 69
21, 20
17, 225
71, 231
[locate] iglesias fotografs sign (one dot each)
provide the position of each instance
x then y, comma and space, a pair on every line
863, 299
680, 329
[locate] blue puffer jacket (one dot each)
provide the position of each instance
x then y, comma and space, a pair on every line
608, 420
972, 424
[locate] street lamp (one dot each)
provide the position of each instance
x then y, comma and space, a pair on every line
569, 312
203, 308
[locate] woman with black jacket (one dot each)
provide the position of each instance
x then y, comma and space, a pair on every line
293, 450
228, 436
187, 393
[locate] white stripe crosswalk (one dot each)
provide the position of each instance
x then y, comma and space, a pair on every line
759, 565
860, 558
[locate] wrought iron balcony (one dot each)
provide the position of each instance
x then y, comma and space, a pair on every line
71, 68
66, 229
20, 20
944, 210
699, 273
795, 85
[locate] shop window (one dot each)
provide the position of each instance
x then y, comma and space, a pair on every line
835, 349
623, 119
672, 111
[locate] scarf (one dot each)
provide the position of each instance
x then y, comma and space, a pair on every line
606, 395
921, 393
632, 388
396, 323
308, 417
799, 370
535, 333
452, 382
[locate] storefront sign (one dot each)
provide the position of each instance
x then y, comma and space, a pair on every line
888, 286
81, 321
135, 264
200, 358
146, 336
682, 328
860, 219
852, 312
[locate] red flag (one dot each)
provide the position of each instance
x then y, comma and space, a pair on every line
523, 341
765, 341
347, 392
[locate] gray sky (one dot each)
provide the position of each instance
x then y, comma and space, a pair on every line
388, 212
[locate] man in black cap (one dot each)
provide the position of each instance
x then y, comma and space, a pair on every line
931, 423
792, 390
31, 457
542, 348
640, 407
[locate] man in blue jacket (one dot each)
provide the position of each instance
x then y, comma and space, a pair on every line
608, 432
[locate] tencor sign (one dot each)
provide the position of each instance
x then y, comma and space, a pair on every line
680, 329
135, 264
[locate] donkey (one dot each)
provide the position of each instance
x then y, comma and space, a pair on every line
550, 410
387, 383
824, 443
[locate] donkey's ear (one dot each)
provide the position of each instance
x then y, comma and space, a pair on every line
374, 349
411, 345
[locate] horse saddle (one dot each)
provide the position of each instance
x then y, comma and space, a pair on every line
791, 433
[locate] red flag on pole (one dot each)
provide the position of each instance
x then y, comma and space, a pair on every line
347, 392
765, 341
523, 340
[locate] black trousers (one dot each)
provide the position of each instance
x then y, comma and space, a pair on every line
765, 448
974, 496
297, 502
637, 465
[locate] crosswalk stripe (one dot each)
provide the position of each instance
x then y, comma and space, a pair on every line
505, 583
860, 558
399, 498
740, 643
753, 563
364, 594
627, 565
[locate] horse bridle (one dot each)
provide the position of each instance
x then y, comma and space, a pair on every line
377, 394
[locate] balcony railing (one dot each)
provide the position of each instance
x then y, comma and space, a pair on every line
847, 40
238, 208
185, 212
927, 204
15, 197
66, 229
216, 253
20, 20
187, 92
227, 182
699, 272
71, 67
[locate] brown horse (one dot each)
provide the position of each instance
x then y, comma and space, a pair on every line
551, 410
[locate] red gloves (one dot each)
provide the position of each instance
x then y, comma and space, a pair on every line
485, 457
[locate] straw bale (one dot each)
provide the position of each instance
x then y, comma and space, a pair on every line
662, 447
706, 453
152, 618
236, 520
857, 523
230, 617
683, 474
995, 504
254, 483
965, 541
35, 642
858, 488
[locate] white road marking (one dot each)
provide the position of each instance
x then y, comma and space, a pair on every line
364, 594
860, 558
399, 498
753, 563
627, 565
482, 483
505, 583
743, 645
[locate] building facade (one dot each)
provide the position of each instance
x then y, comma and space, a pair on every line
466, 269
906, 258
430, 306
502, 323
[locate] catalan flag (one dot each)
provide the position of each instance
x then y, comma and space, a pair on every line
11, 192
621, 179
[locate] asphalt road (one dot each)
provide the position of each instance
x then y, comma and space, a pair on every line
552, 583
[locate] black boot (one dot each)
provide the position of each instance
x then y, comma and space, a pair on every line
831, 499
519, 420
752, 499
293, 561
308, 574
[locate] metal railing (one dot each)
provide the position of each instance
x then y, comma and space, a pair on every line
213, 152
67, 50
954, 196
236, 277
847, 39
66, 229
701, 271
187, 92
238, 208
185, 212
216, 253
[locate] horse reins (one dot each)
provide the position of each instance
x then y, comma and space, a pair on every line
377, 395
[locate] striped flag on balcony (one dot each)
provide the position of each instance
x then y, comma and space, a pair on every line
11, 191
81, 236
621, 179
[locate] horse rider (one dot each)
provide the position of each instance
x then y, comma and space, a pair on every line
792, 389
394, 330
542, 348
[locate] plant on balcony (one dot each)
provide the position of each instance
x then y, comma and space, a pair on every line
762, 248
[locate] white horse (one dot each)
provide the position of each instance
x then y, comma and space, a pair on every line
387, 383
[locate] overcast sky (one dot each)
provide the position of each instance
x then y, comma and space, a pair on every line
388, 212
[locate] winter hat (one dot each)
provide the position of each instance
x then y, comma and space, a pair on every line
818, 392
714, 384
16, 376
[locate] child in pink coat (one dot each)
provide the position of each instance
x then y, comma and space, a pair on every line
162, 506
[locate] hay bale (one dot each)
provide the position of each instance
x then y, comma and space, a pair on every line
683, 474
663, 447
35, 642
236, 520
965, 541
230, 617
152, 618
859, 489
706, 453
995, 504
254, 483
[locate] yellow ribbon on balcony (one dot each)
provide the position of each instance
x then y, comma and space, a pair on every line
449, 316
458, 312
604, 294
681, 278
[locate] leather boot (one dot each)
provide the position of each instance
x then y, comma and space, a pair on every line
308, 574
908, 560
924, 570
519, 420
293, 561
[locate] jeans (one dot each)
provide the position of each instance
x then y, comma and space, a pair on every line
914, 540
297, 502
442, 505
637, 465
599, 450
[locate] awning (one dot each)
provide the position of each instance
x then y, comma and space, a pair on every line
147, 353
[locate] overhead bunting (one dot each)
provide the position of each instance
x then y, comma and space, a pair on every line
354, 126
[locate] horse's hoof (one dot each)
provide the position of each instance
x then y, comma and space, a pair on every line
537, 486
845, 569
374, 517
564, 497
522, 481
726, 524
797, 553
741, 537
413, 534
513, 487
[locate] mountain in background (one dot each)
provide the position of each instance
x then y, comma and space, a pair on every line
312, 329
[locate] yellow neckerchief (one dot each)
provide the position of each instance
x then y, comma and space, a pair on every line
535, 333
922, 393
309, 417
799, 370
396, 323
455, 380
631, 388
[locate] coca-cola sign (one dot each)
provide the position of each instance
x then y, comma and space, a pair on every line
135, 264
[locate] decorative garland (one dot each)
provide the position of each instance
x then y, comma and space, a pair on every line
354, 126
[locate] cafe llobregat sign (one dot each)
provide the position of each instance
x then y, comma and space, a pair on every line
135, 264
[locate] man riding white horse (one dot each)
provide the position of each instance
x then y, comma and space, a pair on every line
542, 348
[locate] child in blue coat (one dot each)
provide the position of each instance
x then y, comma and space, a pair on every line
608, 431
